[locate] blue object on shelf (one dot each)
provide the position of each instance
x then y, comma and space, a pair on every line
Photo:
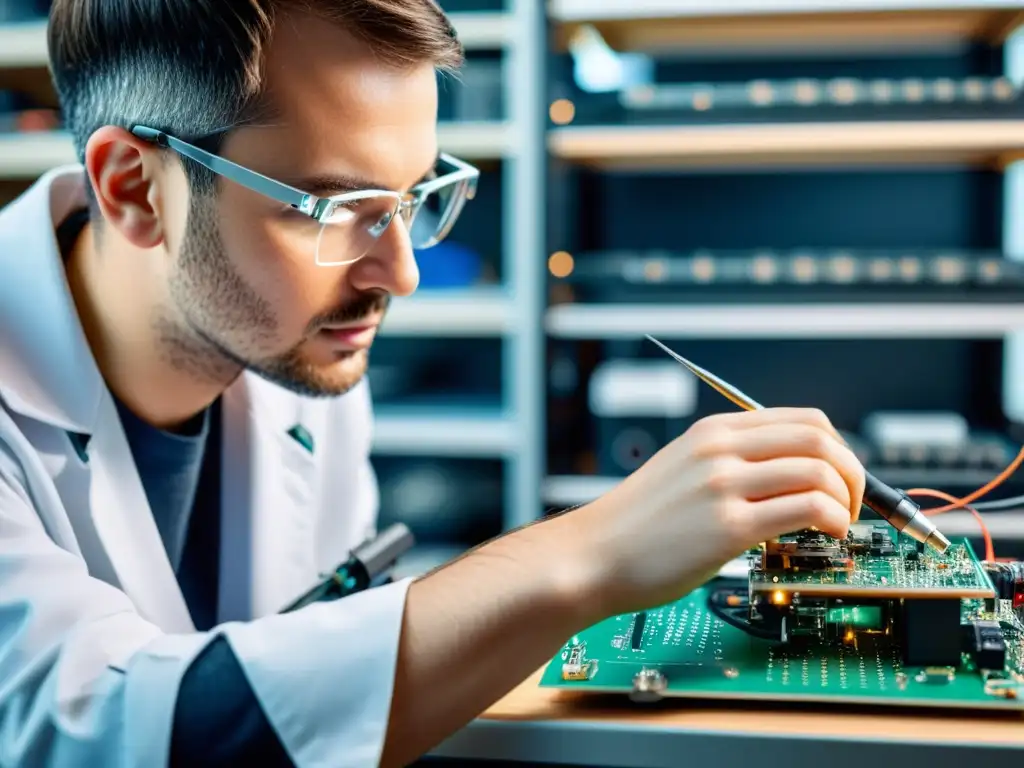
448, 265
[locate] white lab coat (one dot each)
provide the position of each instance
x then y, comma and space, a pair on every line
94, 632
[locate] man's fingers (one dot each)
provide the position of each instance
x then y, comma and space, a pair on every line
752, 419
784, 514
801, 440
792, 474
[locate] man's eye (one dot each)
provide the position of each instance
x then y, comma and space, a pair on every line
343, 214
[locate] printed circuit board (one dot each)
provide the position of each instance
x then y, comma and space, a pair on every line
871, 619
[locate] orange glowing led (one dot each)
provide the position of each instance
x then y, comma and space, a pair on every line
560, 264
562, 111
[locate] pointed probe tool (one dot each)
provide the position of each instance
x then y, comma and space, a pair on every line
891, 504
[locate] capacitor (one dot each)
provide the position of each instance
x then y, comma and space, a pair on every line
1008, 580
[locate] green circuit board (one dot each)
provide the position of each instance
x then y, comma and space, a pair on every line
685, 649
902, 572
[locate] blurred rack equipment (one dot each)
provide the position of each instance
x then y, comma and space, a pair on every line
815, 199
806, 99
805, 275
639, 406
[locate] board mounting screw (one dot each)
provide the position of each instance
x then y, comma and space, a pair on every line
648, 685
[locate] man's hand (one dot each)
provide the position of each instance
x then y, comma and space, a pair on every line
478, 627
728, 483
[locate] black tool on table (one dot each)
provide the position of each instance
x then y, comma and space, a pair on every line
368, 566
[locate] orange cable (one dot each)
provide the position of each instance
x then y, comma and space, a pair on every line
964, 503
990, 553
990, 486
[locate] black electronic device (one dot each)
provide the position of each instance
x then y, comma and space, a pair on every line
369, 565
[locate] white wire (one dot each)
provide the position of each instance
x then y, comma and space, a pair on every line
1013, 501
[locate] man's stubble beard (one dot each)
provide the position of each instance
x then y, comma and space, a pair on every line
219, 326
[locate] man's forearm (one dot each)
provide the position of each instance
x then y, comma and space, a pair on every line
475, 629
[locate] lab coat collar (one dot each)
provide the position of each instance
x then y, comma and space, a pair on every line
269, 435
49, 373
50, 376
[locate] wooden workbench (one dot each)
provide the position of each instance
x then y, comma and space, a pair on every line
536, 726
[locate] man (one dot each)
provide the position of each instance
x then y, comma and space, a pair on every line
184, 427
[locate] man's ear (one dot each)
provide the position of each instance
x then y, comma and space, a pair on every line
125, 173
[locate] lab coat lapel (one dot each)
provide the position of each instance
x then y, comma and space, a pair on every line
268, 492
50, 377
124, 524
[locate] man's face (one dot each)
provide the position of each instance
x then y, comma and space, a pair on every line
245, 278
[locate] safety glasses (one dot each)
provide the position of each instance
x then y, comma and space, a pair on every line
345, 227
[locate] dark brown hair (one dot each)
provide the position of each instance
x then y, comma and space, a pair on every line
194, 68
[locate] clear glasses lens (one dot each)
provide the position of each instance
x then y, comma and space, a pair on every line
437, 213
351, 228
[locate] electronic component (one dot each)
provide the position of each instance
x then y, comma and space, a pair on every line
986, 644
576, 666
636, 639
1008, 581
932, 636
808, 549
648, 685
865, 619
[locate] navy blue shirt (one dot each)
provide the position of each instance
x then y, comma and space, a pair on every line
180, 473
170, 464
217, 718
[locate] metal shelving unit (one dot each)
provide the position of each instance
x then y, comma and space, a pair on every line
437, 432
710, 29
976, 142
524, 266
753, 27
453, 313
780, 321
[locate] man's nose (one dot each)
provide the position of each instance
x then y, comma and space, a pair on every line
390, 265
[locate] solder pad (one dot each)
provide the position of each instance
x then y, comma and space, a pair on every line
694, 654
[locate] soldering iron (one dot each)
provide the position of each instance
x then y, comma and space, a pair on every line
902, 513
891, 504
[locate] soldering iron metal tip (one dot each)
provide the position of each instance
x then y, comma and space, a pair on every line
938, 542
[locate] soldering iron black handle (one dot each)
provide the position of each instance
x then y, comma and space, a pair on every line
880, 497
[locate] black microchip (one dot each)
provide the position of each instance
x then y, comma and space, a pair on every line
881, 543
637, 639
987, 644
931, 633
